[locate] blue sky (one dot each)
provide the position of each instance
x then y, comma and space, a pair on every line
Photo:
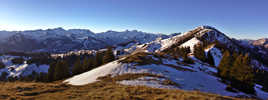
236, 18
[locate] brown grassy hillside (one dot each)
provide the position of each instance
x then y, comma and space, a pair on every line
102, 90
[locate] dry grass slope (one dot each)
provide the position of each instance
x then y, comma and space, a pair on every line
141, 58
102, 90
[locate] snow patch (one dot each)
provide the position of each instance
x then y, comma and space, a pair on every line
200, 79
216, 54
17, 70
263, 95
191, 43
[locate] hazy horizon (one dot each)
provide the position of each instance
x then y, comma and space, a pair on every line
243, 19
228, 34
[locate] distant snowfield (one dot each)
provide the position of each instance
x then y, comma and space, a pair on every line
17, 70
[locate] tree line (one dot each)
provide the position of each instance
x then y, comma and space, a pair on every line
237, 70
74, 65
61, 68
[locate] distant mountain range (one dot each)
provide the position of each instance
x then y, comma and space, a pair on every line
61, 40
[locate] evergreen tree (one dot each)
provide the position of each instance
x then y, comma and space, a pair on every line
57, 73
2, 65
17, 61
199, 52
51, 71
225, 65
34, 76
210, 59
98, 59
235, 55
265, 86
77, 68
61, 70
88, 64
108, 56
184, 51
187, 50
242, 74
184, 54
95, 62
188, 60
3, 76
236, 71
65, 70
248, 75
42, 77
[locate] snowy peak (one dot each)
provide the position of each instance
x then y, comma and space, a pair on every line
261, 42
210, 34
81, 31
201, 34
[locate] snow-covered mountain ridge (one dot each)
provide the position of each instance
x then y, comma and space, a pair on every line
202, 34
61, 40
150, 58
